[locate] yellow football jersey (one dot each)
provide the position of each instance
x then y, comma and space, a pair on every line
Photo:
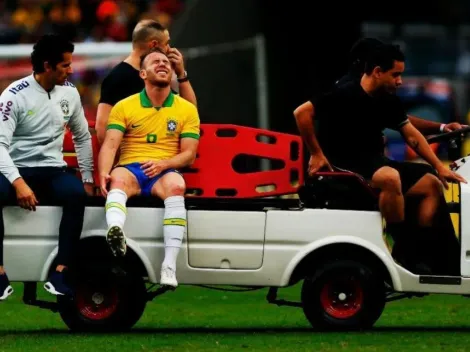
153, 133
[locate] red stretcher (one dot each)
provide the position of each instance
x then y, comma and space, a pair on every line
233, 162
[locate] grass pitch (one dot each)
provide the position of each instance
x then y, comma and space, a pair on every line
197, 319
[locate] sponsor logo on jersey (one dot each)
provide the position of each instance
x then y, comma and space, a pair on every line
5, 109
19, 87
68, 84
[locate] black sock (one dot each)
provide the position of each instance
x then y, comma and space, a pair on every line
396, 230
441, 250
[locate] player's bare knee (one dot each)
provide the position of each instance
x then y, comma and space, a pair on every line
387, 179
434, 185
118, 182
175, 188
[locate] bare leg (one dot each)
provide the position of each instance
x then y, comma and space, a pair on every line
392, 207
391, 200
438, 241
429, 189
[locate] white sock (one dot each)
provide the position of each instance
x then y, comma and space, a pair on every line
174, 225
116, 208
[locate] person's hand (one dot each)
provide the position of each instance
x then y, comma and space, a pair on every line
453, 126
89, 189
176, 59
153, 168
25, 195
318, 162
104, 180
446, 175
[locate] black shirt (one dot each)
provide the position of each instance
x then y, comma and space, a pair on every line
351, 123
122, 82
347, 78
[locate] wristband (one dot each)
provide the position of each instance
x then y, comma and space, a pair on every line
441, 128
184, 78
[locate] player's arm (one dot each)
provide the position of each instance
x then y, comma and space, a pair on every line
107, 155
113, 137
187, 155
109, 97
427, 127
186, 91
82, 140
108, 150
417, 141
304, 118
184, 87
102, 115
189, 142
397, 119
10, 115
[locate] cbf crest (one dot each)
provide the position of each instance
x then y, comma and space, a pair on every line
171, 126
64, 105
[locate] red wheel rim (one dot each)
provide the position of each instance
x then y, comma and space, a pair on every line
97, 302
342, 298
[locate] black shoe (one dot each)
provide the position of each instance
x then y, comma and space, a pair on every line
421, 269
406, 248
116, 241
418, 268
5, 288
56, 285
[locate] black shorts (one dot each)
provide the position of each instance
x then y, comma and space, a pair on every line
410, 172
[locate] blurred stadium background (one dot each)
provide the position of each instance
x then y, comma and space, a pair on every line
251, 61
102, 33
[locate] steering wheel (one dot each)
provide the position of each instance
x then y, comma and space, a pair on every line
448, 135
454, 139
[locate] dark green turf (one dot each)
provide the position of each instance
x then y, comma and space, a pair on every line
196, 319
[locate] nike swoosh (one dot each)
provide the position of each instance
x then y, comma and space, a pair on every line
135, 126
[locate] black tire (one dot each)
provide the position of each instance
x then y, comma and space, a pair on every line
105, 300
343, 295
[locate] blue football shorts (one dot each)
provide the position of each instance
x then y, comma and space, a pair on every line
146, 183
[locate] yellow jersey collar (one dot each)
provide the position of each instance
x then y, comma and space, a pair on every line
146, 103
